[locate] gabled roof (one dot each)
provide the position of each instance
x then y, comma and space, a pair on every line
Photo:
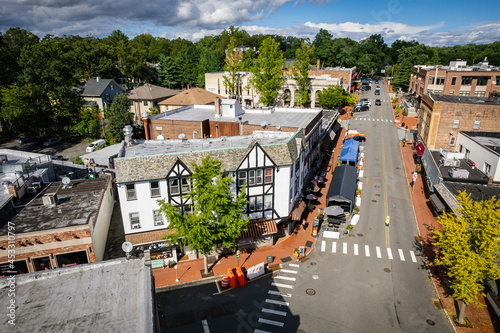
193, 96
149, 92
94, 88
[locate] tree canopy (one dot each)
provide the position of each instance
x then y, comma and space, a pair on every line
300, 69
217, 217
118, 116
469, 247
334, 97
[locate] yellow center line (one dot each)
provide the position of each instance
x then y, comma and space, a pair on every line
386, 206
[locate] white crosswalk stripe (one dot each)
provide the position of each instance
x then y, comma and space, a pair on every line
389, 253
355, 249
272, 301
344, 250
334, 247
276, 312
271, 322
278, 293
281, 285
323, 246
401, 255
379, 255
413, 256
288, 271
285, 278
367, 250
294, 265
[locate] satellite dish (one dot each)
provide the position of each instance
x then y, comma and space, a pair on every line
181, 136
263, 124
127, 247
66, 180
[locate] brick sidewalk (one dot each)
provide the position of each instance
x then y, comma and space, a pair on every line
189, 270
479, 317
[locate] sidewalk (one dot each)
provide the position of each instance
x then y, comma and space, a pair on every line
479, 317
189, 270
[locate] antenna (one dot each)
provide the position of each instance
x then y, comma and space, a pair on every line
127, 247
66, 180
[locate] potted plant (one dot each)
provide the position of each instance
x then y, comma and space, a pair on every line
170, 264
356, 210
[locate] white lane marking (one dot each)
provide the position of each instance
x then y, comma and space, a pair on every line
345, 248
271, 322
355, 249
285, 278
288, 271
379, 255
367, 250
334, 247
413, 256
277, 293
260, 331
206, 329
389, 253
401, 255
323, 246
272, 301
276, 312
281, 285
294, 265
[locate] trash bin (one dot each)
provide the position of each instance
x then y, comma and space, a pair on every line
270, 259
92, 175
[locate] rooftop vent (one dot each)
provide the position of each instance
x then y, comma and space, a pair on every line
49, 199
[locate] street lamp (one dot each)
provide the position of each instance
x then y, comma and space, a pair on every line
176, 277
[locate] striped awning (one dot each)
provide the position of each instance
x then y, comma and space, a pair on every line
261, 228
297, 212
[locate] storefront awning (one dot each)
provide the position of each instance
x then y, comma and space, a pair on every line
436, 202
261, 228
297, 212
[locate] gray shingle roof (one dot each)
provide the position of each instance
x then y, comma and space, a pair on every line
94, 88
150, 92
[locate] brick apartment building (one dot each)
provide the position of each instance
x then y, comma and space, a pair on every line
457, 79
442, 116
66, 226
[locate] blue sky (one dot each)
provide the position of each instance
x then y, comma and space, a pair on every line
432, 22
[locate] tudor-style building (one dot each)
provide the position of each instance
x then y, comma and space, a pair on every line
271, 164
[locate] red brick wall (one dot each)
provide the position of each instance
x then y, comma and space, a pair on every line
172, 128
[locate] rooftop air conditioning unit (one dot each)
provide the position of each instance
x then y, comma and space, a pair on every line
31, 189
49, 199
37, 185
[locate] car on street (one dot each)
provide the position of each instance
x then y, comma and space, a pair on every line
52, 142
378, 102
361, 108
359, 138
377, 92
25, 139
365, 103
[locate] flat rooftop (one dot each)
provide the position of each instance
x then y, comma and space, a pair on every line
156, 147
77, 205
475, 175
489, 140
108, 296
464, 99
478, 192
285, 117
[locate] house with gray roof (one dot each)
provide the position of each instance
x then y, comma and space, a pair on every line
101, 92
147, 96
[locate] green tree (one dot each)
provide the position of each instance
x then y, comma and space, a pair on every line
89, 122
267, 71
300, 71
169, 73
408, 57
324, 50
118, 116
234, 65
470, 248
333, 97
218, 215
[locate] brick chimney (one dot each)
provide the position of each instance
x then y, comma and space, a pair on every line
318, 64
145, 119
217, 107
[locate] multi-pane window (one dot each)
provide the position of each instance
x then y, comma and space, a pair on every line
456, 123
268, 178
131, 194
438, 92
452, 141
111, 87
452, 92
431, 79
242, 178
440, 80
174, 186
477, 123
268, 201
155, 189
464, 93
482, 81
467, 153
186, 185
467, 80
453, 80
134, 221
255, 203
157, 217
479, 94
498, 81
251, 177
106, 97
487, 169
258, 178
145, 103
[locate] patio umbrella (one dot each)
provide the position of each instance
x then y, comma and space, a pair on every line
334, 210
311, 197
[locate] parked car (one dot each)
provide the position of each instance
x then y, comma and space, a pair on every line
25, 139
363, 99
378, 102
96, 144
365, 103
52, 142
361, 108
359, 138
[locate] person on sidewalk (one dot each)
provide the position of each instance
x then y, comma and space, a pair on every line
304, 224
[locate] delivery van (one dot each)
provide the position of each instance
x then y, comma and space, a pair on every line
96, 144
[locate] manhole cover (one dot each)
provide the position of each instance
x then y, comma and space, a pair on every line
313, 263
360, 235
377, 195
430, 322
310, 292
202, 314
374, 200
387, 270
300, 330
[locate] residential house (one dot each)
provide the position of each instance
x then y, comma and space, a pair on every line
147, 96
192, 96
101, 92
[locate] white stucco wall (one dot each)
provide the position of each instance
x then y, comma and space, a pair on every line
99, 234
480, 155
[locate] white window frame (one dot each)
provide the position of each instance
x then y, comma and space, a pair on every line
259, 176
172, 187
268, 178
155, 191
251, 177
456, 123
242, 178
134, 220
268, 201
185, 185
131, 192
453, 139
477, 124
158, 218
487, 168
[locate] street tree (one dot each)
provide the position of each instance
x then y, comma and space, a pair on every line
234, 66
469, 247
217, 217
267, 71
300, 70
333, 97
118, 116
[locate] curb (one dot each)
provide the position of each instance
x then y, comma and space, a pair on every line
188, 284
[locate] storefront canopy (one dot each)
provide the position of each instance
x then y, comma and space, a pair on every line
350, 151
342, 191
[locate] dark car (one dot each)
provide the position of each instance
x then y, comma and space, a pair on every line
52, 142
25, 139
378, 102
377, 92
361, 108
359, 138
376, 81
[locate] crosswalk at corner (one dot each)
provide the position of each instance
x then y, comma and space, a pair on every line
354, 249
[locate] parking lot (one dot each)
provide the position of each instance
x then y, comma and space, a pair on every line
65, 150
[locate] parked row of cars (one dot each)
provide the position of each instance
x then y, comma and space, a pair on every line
47, 142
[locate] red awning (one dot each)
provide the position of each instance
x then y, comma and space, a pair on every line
297, 212
262, 228
420, 148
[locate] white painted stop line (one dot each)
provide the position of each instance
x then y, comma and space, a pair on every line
288, 271
334, 247
344, 248
355, 249
413, 256
323, 246
276, 312
389, 253
271, 322
401, 255
379, 255
367, 250
272, 301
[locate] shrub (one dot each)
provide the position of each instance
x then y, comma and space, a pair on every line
78, 160
349, 227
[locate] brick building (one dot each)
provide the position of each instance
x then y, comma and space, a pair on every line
441, 118
457, 79
65, 226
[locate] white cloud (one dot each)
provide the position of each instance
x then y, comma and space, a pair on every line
386, 28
